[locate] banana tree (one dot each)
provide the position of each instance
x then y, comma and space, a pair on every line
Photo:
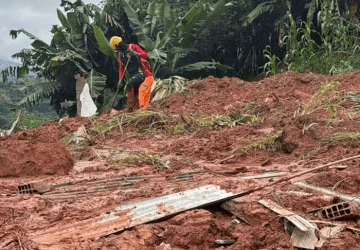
167, 39
73, 50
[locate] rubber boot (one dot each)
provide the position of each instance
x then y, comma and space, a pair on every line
132, 101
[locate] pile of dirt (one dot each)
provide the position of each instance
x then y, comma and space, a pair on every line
34, 152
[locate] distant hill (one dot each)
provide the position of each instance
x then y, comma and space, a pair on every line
6, 63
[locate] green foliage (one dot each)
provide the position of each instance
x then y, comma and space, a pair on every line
103, 42
175, 38
337, 53
10, 96
143, 158
145, 123
356, 98
44, 90
339, 137
29, 120
268, 142
317, 100
272, 66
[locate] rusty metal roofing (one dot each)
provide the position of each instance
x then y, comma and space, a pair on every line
165, 206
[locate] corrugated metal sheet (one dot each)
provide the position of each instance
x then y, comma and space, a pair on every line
165, 206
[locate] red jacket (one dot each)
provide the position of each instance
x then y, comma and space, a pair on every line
143, 57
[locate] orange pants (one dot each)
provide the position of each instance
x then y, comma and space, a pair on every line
145, 92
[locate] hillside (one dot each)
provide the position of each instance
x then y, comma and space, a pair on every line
10, 95
228, 133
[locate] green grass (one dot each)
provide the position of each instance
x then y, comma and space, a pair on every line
317, 100
142, 158
149, 123
268, 142
339, 137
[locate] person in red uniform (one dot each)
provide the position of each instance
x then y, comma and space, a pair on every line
135, 70
145, 87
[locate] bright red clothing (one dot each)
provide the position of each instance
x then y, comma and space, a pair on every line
144, 58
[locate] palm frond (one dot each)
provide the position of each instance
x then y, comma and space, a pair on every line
45, 90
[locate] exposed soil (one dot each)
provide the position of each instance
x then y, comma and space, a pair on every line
92, 183
34, 152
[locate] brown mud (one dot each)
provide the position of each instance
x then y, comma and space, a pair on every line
97, 183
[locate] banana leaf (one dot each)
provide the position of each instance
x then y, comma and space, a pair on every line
77, 36
46, 89
97, 83
103, 42
63, 19
203, 66
259, 10
137, 27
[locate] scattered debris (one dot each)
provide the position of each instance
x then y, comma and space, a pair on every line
328, 233
340, 211
288, 227
300, 194
339, 167
303, 235
230, 207
325, 191
225, 242
35, 188
269, 174
304, 240
81, 135
163, 246
297, 220
129, 216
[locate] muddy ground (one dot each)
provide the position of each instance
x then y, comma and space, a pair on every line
89, 178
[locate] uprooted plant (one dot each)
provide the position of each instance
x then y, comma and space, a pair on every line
143, 158
269, 142
317, 100
152, 123
339, 137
